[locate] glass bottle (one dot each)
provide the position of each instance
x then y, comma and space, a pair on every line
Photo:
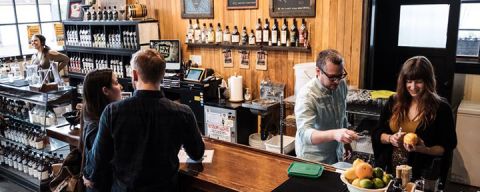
266, 33
244, 37
294, 34
235, 36
258, 32
227, 38
211, 34
219, 34
284, 33
251, 38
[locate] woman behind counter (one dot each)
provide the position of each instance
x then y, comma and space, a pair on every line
100, 88
44, 54
416, 108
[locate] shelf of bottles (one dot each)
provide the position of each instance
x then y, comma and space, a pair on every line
82, 63
107, 39
274, 38
30, 167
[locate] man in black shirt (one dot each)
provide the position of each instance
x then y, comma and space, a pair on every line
141, 136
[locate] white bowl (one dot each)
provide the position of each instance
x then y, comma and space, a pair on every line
352, 188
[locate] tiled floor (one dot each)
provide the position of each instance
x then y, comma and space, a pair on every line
7, 186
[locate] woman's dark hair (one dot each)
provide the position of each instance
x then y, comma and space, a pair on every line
94, 101
42, 42
416, 68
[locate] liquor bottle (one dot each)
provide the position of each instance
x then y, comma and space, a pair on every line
197, 32
294, 34
210, 34
203, 34
227, 38
89, 15
190, 32
266, 33
258, 32
284, 33
94, 14
235, 36
105, 13
244, 36
115, 13
219, 34
274, 38
251, 38
99, 14
303, 34
110, 13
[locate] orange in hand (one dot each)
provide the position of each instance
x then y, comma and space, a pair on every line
410, 139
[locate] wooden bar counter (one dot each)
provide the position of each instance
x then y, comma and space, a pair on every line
234, 167
237, 168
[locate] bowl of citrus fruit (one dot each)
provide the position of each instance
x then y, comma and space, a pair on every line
362, 177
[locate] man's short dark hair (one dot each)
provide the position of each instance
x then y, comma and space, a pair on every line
331, 55
149, 64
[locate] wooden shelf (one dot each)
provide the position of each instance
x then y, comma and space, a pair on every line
250, 47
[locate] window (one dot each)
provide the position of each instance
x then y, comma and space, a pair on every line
468, 44
22, 18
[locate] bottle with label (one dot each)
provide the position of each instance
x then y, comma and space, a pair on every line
197, 32
251, 38
294, 34
219, 34
203, 34
99, 14
266, 33
89, 15
115, 13
274, 38
94, 14
258, 32
235, 36
110, 13
303, 34
244, 36
227, 38
210, 34
105, 13
284, 33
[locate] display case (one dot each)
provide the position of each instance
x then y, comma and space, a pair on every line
26, 153
106, 44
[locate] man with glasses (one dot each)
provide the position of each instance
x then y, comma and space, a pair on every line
320, 112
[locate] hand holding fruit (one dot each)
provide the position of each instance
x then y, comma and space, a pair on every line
412, 142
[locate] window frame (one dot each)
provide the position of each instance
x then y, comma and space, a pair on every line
468, 64
39, 22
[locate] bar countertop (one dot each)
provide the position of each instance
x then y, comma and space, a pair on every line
238, 168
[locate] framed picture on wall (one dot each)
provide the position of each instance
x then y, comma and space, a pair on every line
193, 9
75, 11
242, 4
292, 8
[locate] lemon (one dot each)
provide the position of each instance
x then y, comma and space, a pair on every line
387, 178
356, 182
350, 174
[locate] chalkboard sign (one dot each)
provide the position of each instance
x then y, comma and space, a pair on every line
292, 8
242, 4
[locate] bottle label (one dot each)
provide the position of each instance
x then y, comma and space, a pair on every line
265, 36
211, 37
258, 35
218, 37
283, 37
44, 175
227, 37
197, 35
235, 38
251, 41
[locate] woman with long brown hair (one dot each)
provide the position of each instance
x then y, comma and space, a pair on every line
44, 54
415, 108
100, 88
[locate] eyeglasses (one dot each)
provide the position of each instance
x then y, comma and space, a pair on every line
334, 78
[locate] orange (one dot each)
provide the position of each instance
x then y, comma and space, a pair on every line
364, 170
410, 138
350, 174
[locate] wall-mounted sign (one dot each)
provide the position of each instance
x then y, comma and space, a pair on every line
292, 8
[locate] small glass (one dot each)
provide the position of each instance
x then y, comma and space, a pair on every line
248, 95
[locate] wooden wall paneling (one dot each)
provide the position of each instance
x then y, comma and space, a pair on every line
337, 25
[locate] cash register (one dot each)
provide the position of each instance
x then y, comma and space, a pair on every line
190, 86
